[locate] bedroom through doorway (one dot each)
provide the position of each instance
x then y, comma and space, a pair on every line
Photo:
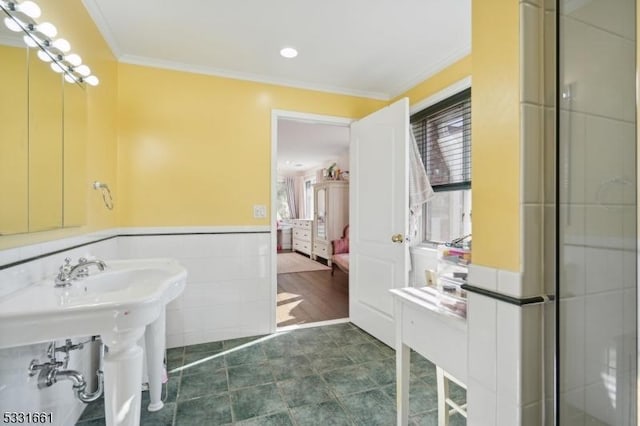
311, 213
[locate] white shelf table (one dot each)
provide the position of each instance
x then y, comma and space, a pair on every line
436, 333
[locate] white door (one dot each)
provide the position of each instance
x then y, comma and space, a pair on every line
379, 203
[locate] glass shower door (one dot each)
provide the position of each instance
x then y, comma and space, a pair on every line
596, 280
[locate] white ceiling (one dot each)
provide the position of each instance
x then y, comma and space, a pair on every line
304, 146
374, 48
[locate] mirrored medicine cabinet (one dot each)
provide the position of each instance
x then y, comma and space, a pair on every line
42, 143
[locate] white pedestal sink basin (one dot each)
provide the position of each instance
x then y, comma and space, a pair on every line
117, 304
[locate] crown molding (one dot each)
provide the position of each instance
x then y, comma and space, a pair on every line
441, 95
237, 75
449, 60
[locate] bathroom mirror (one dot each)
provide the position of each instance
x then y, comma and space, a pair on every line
74, 159
14, 148
43, 132
45, 146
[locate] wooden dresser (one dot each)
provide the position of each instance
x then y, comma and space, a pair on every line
302, 241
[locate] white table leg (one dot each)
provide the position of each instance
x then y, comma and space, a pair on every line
403, 363
122, 378
155, 343
443, 394
402, 383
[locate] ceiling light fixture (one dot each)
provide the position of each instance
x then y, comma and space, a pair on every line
44, 56
27, 8
73, 59
21, 17
13, 25
62, 45
46, 29
288, 52
92, 80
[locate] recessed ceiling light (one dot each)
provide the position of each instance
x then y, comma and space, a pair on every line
289, 52
299, 164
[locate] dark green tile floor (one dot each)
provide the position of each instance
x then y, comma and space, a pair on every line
330, 375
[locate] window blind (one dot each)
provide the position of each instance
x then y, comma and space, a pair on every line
443, 134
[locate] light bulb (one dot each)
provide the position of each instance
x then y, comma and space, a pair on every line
92, 80
47, 29
69, 78
12, 24
29, 8
73, 59
83, 70
288, 52
44, 56
29, 41
62, 45
56, 67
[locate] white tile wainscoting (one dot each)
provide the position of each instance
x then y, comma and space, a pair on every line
505, 361
228, 295
228, 292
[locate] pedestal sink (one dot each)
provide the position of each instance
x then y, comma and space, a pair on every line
118, 304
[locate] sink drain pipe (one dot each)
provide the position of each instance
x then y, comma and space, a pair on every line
51, 372
79, 382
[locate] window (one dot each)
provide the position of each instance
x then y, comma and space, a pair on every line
443, 134
308, 197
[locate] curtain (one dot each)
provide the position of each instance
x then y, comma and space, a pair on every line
292, 196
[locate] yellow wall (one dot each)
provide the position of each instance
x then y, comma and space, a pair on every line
196, 149
495, 133
75, 25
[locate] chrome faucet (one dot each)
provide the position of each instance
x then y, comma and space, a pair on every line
70, 272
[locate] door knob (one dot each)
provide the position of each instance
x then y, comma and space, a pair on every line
397, 238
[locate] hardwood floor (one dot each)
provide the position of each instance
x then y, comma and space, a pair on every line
305, 297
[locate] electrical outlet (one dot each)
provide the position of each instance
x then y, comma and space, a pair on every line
259, 211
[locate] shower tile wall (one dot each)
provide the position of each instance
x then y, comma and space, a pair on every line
597, 212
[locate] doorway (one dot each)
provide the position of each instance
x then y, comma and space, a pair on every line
309, 152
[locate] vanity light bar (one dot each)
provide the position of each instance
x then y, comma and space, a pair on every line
21, 17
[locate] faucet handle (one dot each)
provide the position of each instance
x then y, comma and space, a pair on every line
82, 260
66, 267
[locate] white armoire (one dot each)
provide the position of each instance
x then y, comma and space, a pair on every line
331, 201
